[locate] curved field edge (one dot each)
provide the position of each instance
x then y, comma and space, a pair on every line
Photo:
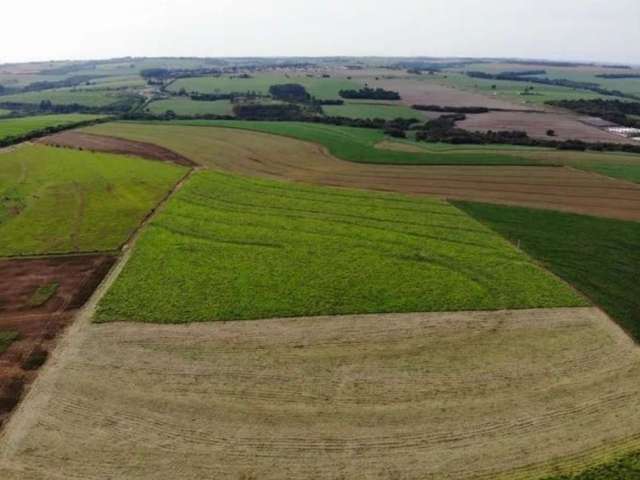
500, 395
351, 144
57, 201
600, 257
241, 248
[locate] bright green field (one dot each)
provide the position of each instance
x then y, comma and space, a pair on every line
368, 110
6, 339
625, 172
59, 200
19, 126
347, 143
237, 248
89, 98
324, 88
600, 257
186, 106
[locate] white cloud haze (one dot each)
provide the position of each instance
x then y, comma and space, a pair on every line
601, 30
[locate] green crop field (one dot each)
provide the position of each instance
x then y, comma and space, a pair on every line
19, 126
324, 88
237, 248
347, 143
624, 172
597, 255
88, 98
6, 339
186, 106
57, 200
372, 110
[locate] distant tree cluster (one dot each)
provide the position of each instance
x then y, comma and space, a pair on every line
290, 92
367, 93
446, 109
619, 76
615, 111
255, 111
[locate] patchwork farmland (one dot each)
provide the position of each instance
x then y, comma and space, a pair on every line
219, 279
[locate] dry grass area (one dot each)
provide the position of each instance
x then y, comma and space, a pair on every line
536, 125
415, 396
272, 156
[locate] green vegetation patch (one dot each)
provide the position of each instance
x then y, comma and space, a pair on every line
43, 294
13, 127
228, 247
371, 110
625, 468
347, 143
6, 339
66, 96
186, 106
599, 256
624, 172
58, 200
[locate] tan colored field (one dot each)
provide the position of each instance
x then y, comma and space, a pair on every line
537, 124
413, 396
251, 153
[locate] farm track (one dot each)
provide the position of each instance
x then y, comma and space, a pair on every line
258, 154
381, 396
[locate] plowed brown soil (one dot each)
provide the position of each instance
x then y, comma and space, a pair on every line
419, 396
98, 143
258, 154
39, 325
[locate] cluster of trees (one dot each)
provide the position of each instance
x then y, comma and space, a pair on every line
13, 140
125, 104
290, 92
163, 74
614, 76
256, 111
560, 82
446, 109
443, 130
367, 93
615, 111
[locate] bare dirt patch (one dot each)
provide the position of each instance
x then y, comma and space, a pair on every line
67, 282
417, 396
537, 124
272, 156
97, 143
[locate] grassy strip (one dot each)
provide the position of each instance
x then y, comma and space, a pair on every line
61, 201
357, 144
625, 468
17, 127
600, 257
6, 339
624, 172
236, 248
43, 294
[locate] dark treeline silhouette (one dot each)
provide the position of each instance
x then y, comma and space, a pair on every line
290, 92
446, 109
125, 104
370, 94
618, 75
615, 111
560, 82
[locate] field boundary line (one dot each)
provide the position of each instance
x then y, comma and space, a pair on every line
40, 393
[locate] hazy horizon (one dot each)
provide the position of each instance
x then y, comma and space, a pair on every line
572, 30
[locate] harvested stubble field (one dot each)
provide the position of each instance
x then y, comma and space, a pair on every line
54, 200
36, 318
258, 154
419, 396
235, 248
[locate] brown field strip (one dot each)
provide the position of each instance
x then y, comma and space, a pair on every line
418, 396
258, 154
38, 324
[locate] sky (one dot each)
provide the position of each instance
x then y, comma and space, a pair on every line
594, 30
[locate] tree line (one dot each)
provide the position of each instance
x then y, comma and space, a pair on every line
616, 111
367, 93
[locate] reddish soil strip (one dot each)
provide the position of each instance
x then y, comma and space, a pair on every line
537, 124
38, 326
99, 143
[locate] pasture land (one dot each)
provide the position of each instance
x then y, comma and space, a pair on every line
323, 88
454, 395
625, 172
186, 106
37, 300
258, 154
372, 110
19, 126
66, 96
238, 248
59, 201
600, 257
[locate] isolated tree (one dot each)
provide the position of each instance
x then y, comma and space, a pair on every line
551, 133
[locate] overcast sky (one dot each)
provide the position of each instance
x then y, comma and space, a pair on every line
602, 30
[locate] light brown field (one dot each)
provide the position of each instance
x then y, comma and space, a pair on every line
415, 396
536, 125
258, 154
